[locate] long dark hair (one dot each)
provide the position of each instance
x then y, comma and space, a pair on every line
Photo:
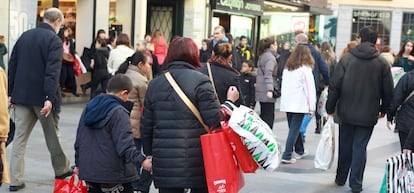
183, 49
300, 56
265, 44
135, 59
402, 50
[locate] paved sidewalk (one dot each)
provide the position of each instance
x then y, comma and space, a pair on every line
300, 177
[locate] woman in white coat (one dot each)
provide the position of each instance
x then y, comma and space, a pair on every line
298, 98
120, 53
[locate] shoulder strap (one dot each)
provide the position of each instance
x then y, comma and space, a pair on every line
409, 96
210, 75
185, 99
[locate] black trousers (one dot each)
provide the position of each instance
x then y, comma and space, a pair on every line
181, 190
403, 137
267, 113
119, 188
67, 77
352, 158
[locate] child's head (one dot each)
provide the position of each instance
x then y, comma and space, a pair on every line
247, 66
204, 44
120, 85
300, 56
100, 43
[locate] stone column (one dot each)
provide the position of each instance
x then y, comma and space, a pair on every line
140, 20
195, 20
123, 14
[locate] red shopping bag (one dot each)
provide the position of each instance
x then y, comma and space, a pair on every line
77, 67
244, 158
222, 172
63, 186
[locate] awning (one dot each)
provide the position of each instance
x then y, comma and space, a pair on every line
318, 10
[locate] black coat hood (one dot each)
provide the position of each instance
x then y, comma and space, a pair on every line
365, 50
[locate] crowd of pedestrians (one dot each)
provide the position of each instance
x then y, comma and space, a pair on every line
136, 129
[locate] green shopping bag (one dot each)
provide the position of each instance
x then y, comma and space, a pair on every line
383, 188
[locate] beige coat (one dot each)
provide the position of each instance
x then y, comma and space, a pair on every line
4, 124
137, 95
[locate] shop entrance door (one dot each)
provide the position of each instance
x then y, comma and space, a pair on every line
167, 16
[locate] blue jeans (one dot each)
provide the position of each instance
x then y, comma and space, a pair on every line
294, 140
145, 180
353, 141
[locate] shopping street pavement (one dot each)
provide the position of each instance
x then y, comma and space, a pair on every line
300, 177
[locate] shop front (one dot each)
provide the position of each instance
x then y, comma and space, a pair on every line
239, 18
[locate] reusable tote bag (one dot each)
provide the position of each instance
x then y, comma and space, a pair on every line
63, 186
326, 147
222, 173
400, 174
257, 136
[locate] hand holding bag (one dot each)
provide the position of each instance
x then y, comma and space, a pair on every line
222, 173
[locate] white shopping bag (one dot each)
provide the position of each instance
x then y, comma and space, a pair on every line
83, 68
257, 136
326, 147
322, 103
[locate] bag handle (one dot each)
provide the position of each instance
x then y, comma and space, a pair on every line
186, 100
409, 96
210, 75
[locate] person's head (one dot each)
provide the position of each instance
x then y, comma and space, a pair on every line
300, 56
54, 17
387, 48
327, 52
141, 45
138, 59
101, 34
157, 33
230, 38
267, 43
406, 48
119, 85
367, 34
349, 46
247, 66
148, 37
100, 43
219, 33
223, 49
2, 39
301, 38
204, 44
123, 39
243, 40
183, 49
286, 45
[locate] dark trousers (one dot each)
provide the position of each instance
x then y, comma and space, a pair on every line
181, 190
267, 113
67, 77
403, 137
119, 188
145, 180
353, 141
317, 115
294, 140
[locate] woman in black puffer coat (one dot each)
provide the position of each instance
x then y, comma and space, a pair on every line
170, 131
224, 75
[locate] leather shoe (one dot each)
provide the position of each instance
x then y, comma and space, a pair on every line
63, 176
16, 188
339, 183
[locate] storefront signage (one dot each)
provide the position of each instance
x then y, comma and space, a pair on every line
371, 15
253, 7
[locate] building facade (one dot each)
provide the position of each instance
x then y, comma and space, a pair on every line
393, 19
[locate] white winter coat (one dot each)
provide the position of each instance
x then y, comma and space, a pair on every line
117, 56
298, 91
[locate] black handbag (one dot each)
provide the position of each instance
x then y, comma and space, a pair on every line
277, 87
86, 58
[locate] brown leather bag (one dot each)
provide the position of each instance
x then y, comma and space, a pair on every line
68, 57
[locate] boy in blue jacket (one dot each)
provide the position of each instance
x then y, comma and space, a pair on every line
105, 152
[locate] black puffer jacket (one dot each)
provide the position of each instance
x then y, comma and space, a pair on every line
224, 76
170, 131
362, 86
405, 118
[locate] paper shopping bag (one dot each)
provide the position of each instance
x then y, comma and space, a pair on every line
244, 158
222, 173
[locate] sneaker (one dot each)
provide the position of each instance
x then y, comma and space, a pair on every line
299, 156
16, 188
289, 161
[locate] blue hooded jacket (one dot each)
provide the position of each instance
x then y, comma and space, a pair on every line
104, 148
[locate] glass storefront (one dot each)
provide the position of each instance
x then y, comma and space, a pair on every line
379, 20
407, 31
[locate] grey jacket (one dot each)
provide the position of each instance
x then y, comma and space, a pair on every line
266, 74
